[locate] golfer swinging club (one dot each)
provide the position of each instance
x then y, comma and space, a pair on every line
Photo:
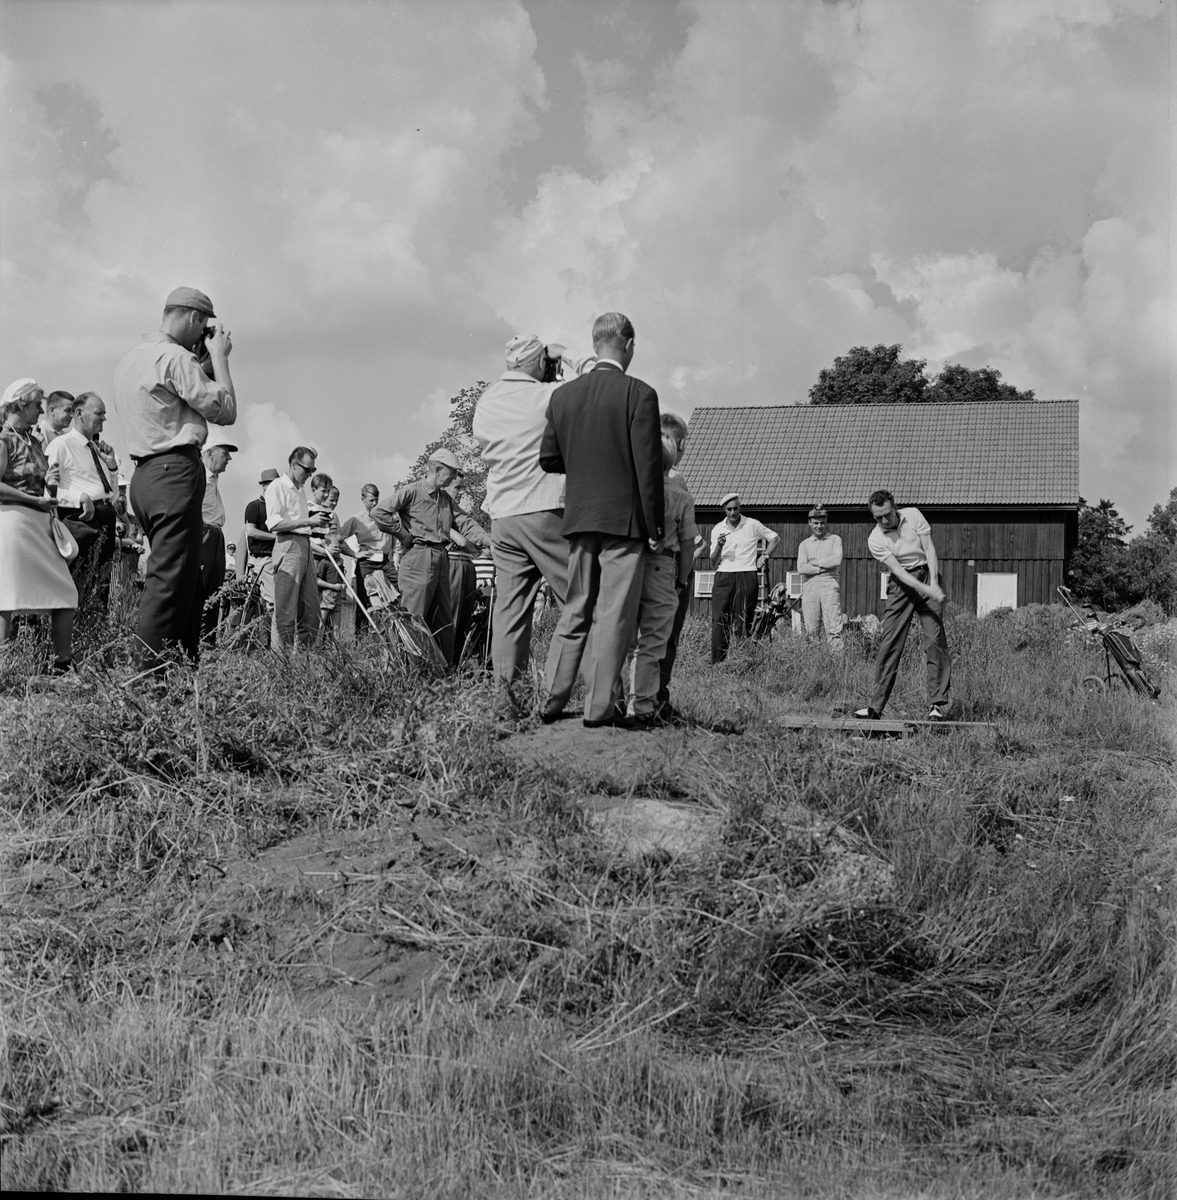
902, 541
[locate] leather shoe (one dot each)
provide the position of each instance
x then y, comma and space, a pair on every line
614, 721
865, 714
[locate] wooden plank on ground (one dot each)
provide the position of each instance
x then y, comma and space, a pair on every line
892, 728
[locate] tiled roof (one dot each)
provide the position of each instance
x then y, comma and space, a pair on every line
987, 453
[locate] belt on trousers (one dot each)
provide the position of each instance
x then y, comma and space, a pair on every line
460, 556
187, 451
418, 544
75, 510
669, 553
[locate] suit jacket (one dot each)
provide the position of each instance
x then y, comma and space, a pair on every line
603, 432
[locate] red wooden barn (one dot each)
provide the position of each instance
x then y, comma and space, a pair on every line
998, 482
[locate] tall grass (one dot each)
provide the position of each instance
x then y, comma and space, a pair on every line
174, 1015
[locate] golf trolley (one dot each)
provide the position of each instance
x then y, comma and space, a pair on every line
1118, 647
780, 603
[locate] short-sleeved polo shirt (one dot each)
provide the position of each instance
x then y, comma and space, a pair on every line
904, 542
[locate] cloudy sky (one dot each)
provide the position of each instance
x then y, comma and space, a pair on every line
377, 195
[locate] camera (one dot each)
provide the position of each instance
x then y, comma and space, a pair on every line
553, 363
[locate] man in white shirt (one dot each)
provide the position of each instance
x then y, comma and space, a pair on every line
296, 591
217, 456
818, 559
86, 495
902, 542
525, 503
59, 412
739, 547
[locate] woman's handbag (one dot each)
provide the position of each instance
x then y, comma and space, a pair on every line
65, 541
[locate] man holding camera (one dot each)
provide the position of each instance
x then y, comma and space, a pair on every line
289, 519
525, 503
166, 399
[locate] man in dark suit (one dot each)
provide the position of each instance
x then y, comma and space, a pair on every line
603, 434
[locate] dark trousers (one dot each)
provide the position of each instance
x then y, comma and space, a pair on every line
212, 577
668, 659
463, 598
167, 492
902, 605
424, 579
733, 604
97, 542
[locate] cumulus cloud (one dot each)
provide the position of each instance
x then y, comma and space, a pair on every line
970, 180
759, 185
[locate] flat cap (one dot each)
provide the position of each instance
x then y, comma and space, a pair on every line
728, 499
186, 297
268, 476
218, 444
522, 348
447, 458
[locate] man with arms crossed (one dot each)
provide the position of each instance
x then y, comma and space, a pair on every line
603, 434
526, 507
818, 559
902, 541
739, 545
166, 400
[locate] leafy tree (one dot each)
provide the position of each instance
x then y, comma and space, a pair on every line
1152, 558
1099, 566
1162, 521
962, 385
880, 376
458, 436
876, 376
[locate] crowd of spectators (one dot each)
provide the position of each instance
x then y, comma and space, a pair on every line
582, 493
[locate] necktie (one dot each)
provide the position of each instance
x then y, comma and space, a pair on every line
98, 467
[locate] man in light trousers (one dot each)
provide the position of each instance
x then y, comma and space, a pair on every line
819, 559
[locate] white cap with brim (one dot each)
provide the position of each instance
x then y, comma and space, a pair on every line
728, 499
522, 349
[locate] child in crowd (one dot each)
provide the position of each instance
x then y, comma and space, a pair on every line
667, 569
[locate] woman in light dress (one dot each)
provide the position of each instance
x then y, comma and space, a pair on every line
34, 577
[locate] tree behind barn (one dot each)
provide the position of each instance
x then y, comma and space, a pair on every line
875, 376
880, 376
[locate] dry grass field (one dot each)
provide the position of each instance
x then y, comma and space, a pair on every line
319, 928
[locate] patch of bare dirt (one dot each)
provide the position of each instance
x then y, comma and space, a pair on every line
673, 762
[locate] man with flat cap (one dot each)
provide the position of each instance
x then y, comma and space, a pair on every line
166, 399
525, 504
217, 456
423, 517
603, 433
739, 547
259, 541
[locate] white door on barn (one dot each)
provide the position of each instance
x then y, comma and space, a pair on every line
996, 589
